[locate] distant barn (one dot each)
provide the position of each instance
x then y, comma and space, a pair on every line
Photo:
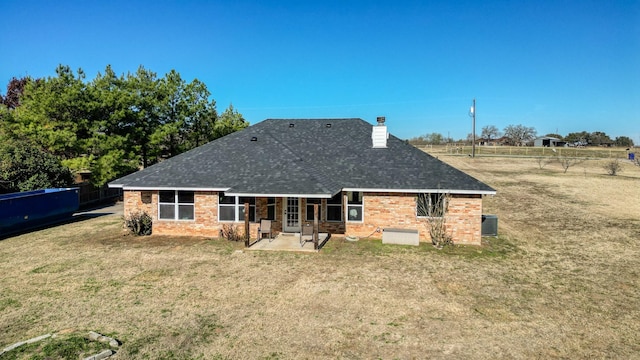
548, 141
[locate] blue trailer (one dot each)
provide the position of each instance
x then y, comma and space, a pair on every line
29, 209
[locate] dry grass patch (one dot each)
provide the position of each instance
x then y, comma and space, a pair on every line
560, 282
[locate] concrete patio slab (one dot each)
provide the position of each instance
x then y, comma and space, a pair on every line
288, 242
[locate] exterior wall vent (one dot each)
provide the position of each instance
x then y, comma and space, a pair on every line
379, 134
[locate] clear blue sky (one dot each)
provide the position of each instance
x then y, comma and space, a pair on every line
561, 66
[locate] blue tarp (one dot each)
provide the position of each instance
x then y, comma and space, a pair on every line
23, 210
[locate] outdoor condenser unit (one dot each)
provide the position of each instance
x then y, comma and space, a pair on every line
489, 225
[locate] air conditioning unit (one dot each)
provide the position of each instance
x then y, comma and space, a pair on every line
489, 225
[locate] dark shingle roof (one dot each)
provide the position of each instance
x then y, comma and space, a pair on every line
304, 157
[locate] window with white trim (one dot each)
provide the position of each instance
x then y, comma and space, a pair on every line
334, 208
176, 205
310, 202
430, 204
231, 208
354, 206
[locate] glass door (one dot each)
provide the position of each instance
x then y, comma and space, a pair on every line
291, 215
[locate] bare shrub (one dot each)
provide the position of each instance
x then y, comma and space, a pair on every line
433, 209
567, 162
140, 223
612, 167
543, 161
232, 232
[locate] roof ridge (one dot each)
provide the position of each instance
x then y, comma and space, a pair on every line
311, 119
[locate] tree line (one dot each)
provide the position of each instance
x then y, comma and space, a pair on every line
520, 135
111, 125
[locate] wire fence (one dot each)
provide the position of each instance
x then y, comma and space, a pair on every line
529, 151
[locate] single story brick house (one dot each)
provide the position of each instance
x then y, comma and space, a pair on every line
361, 177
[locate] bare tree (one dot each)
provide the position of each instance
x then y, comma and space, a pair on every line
433, 208
519, 135
490, 132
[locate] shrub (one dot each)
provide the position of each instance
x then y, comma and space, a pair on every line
139, 223
434, 215
543, 161
612, 167
231, 233
567, 162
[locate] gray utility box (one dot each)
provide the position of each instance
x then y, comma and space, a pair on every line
400, 237
489, 225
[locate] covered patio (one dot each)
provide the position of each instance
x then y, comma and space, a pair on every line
290, 242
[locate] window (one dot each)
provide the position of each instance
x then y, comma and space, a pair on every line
310, 203
231, 208
354, 206
227, 208
176, 205
271, 208
334, 208
430, 205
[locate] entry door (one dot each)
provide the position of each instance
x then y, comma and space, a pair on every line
291, 215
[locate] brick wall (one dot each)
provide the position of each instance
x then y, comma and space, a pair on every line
465, 219
139, 201
398, 210
381, 210
206, 214
204, 224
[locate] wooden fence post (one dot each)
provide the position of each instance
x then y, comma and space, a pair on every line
246, 224
316, 230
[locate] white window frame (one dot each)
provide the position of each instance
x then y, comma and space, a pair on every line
177, 204
327, 204
431, 199
238, 208
361, 206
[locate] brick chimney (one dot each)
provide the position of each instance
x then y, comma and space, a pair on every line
379, 134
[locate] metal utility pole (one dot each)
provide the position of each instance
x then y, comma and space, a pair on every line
472, 113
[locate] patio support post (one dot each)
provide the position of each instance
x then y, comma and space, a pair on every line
246, 224
316, 230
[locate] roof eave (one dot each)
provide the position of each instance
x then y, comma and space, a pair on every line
170, 188
444, 191
302, 195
